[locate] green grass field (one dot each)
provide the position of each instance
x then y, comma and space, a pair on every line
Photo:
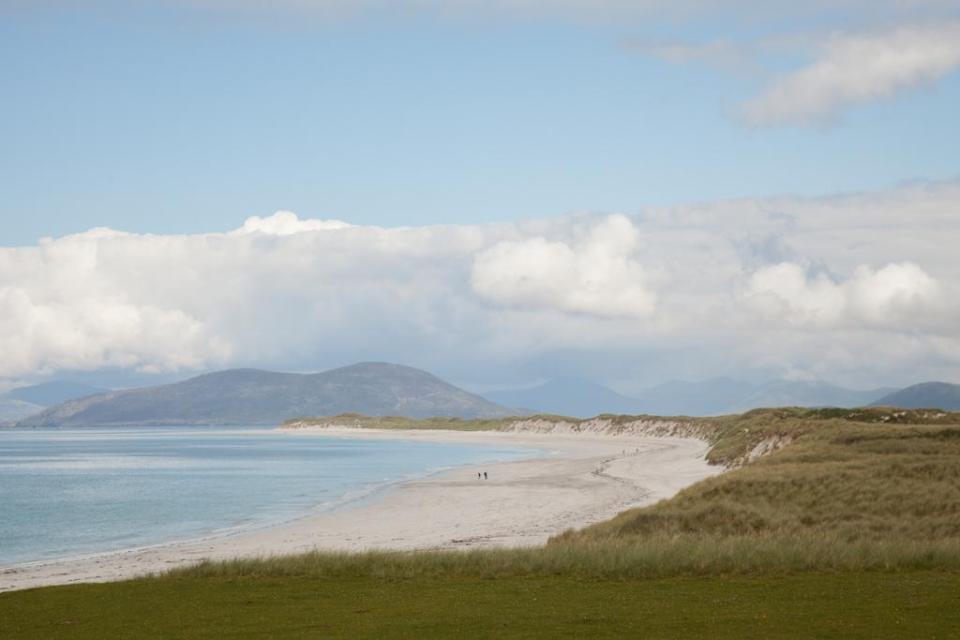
851, 530
906, 605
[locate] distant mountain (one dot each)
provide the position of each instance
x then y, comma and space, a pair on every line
48, 394
927, 395
250, 396
22, 402
788, 393
12, 409
572, 397
705, 398
726, 396
718, 396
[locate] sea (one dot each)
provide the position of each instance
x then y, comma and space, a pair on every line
75, 492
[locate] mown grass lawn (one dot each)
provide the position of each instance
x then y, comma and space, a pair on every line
812, 605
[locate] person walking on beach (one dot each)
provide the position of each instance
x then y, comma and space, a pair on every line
478, 475
484, 475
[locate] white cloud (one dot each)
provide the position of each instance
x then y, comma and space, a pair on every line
90, 334
857, 68
61, 308
895, 293
784, 292
285, 223
595, 274
852, 288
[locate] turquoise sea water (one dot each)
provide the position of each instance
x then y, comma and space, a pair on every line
73, 492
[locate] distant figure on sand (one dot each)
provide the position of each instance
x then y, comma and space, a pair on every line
478, 475
484, 475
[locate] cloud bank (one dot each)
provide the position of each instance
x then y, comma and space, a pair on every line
858, 288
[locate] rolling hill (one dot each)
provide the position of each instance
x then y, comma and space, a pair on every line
251, 396
926, 395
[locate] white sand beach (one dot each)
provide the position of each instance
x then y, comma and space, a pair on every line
582, 479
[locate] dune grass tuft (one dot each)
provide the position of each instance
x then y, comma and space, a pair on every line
658, 557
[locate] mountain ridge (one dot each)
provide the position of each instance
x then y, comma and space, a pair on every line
925, 395
574, 397
21, 402
713, 397
255, 396
47, 394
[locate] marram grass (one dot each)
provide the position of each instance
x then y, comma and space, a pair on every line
653, 558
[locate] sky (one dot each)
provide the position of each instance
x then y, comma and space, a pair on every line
499, 192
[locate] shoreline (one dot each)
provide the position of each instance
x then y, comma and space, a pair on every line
576, 480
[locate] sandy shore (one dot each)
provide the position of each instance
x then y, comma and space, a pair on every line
584, 478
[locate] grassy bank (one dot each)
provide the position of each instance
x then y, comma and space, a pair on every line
838, 482
848, 606
657, 557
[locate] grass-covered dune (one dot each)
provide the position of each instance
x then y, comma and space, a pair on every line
854, 491
829, 524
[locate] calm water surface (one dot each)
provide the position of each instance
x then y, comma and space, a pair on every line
71, 492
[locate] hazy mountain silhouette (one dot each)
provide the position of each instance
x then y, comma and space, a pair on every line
926, 395
250, 396
705, 398
54, 392
718, 396
12, 409
22, 402
803, 393
574, 397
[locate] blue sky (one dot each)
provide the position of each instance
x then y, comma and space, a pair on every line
176, 120
631, 191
